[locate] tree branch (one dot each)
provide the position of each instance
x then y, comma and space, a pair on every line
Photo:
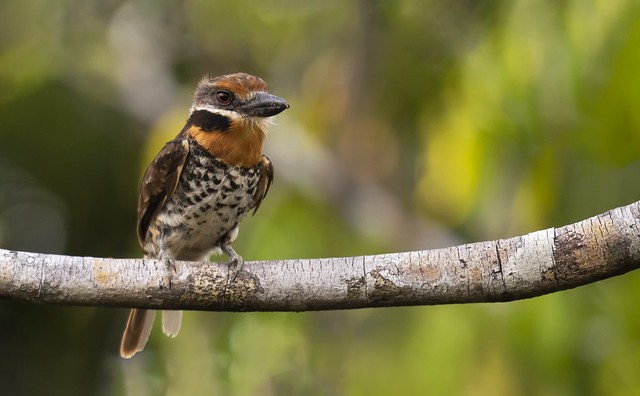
531, 265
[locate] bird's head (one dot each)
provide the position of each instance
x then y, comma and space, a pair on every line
229, 116
237, 96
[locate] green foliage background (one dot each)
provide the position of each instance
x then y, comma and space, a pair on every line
414, 124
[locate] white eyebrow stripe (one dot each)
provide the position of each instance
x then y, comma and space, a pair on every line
227, 113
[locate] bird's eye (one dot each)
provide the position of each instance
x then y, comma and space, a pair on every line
223, 97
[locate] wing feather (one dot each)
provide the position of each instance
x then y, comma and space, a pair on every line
264, 182
160, 182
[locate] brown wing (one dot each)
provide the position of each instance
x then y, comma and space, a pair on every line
266, 178
159, 182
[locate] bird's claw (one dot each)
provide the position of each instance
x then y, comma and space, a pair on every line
235, 263
170, 268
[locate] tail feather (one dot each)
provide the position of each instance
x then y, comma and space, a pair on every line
136, 333
171, 322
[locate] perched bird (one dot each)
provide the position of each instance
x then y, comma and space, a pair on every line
203, 183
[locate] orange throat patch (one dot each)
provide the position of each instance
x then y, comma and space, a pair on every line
241, 145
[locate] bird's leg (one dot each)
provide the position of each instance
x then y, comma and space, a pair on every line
235, 262
169, 263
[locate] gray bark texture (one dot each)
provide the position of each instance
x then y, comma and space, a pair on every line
526, 266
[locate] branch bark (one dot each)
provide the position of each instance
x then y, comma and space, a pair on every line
526, 266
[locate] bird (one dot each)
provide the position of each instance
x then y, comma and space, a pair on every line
202, 184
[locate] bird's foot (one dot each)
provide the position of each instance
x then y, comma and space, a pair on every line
235, 263
170, 268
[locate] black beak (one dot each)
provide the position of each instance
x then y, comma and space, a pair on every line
264, 105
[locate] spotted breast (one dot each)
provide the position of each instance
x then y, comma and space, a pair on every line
211, 198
